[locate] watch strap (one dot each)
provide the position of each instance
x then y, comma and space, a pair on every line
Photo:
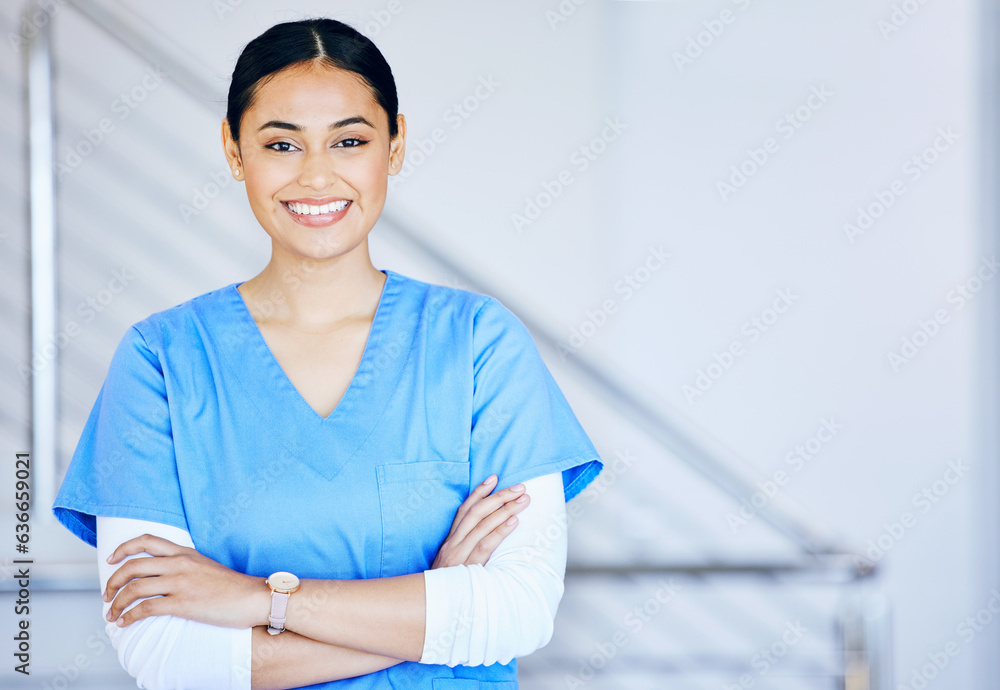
276, 619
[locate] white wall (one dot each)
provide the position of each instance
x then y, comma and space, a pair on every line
784, 229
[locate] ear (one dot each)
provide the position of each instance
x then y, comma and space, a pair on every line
232, 151
397, 147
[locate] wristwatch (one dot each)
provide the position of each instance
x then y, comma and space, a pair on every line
282, 584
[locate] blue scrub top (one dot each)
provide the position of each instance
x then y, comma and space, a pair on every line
197, 426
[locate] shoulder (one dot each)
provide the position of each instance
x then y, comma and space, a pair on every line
461, 305
183, 320
462, 318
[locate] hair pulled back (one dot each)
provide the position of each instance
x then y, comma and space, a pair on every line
322, 39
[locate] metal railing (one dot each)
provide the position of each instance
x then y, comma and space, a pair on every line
42, 193
864, 622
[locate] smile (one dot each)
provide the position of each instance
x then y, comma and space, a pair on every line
314, 216
307, 210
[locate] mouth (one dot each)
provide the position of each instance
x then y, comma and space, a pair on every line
316, 215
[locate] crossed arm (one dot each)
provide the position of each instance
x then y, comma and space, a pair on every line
340, 628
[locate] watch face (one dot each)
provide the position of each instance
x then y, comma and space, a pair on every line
283, 581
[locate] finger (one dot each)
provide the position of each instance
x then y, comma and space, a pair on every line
463, 549
479, 493
157, 606
137, 567
457, 539
135, 590
495, 519
488, 544
145, 543
486, 507
483, 507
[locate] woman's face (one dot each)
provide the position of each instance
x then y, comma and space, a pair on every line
315, 153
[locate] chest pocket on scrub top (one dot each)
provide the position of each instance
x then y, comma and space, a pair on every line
418, 501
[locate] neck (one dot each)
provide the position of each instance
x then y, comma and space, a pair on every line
312, 294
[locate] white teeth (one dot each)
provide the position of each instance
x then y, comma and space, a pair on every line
306, 209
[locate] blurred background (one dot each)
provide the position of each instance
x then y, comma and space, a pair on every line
754, 240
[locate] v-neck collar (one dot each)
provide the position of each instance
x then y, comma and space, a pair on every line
325, 443
281, 377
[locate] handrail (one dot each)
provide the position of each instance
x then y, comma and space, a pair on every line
840, 568
52, 575
717, 467
42, 221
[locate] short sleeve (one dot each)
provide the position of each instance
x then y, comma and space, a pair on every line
522, 425
124, 463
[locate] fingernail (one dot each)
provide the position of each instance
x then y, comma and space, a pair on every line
512, 521
521, 499
108, 615
109, 558
490, 479
518, 487
120, 622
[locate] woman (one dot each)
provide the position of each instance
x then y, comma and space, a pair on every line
292, 477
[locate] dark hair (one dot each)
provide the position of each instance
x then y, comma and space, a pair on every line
325, 40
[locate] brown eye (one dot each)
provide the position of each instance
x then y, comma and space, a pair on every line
354, 143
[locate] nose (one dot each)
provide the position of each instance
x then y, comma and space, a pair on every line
317, 170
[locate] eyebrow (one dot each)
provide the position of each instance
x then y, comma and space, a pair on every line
356, 119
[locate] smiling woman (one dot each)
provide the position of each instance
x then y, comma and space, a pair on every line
290, 145
303, 494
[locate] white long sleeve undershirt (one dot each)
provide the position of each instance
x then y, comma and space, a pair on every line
475, 614
163, 652
482, 614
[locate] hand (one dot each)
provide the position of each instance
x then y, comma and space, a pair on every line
481, 523
192, 585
